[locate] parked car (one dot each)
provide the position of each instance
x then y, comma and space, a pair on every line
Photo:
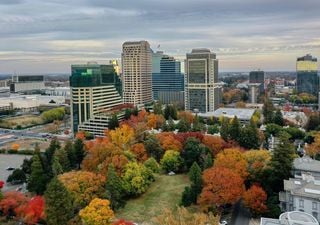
10, 168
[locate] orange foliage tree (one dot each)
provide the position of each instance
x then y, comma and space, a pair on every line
15, 146
10, 202
187, 116
221, 186
234, 160
139, 151
182, 137
314, 149
214, 143
258, 161
155, 121
255, 199
83, 186
81, 135
123, 222
169, 142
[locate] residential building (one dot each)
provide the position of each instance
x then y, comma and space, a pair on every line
306, 165
27, 83
307, 75
291, 218
137, 73
201, 91
167, 80
257, 77
95, 92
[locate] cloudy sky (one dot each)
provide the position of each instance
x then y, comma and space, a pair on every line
46, 36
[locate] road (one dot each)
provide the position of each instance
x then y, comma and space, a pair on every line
240, 216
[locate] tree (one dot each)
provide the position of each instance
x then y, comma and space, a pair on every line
17, 177
123, 222
234, 160
122, 136
267, 111
221, 186
113, 122
278, 118
136, 178
152, 164
59, 203
155, 121
83, 186
56, 166
15, 146
114, 189
38, 179
168, 141
234, 129
183, 216
98, 212
214, 143
281, 162
190, 194
33, 211
258, 162
157, 108
213, 129
171, 161
170, 111
11, 201
255, 199
224, 130
249, 137
183, 125
153, 147
313, 121
79, 151
313, 149
63, 159
54, 145
139, 151
68, 148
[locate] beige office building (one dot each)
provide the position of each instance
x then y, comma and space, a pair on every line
137, 73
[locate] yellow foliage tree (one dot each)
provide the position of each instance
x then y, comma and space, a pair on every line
313, 149
122, 136
98, 212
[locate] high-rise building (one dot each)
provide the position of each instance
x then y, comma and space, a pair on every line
307, 75
95, 91
137, 73
257, 77
167, 80
254, 89
201, 93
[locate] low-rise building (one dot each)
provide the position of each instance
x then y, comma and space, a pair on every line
244, 115
306, 165
291, 218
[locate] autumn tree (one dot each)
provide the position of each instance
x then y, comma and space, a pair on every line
59, 203
258, 161
114, 189
255, 199
171, 161
122, 136
153, 147
122, 222
152, 164
169, 142
98, 212
221, 186
313, 149
83, 186
33, 211
155, 121
139, 151
234, 160
214, 143
11, 201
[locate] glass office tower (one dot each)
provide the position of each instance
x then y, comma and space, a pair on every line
307, 75
257, 77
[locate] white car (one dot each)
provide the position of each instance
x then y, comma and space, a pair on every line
223, 222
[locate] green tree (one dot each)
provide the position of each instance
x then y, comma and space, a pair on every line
224, 130
183, 126
153, 147
127, 114
278, 118
62, 157
49, 153
268, 111
171, 161
191, 193
197, 125
79, 151
59, 203
56, 166
249, 137
234, 129
170, 111
213, 129
152, 164
113, 122
114, 189
17, 177
157, 108
68, 148
38, 179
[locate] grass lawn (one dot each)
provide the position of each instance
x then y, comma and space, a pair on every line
23, 121
165, 192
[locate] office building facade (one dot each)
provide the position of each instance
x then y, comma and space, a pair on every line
95, 91
257, 77
137, 73
201, 68
167, 80
27, 83
307, 75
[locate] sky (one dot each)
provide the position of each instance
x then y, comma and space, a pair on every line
47, 36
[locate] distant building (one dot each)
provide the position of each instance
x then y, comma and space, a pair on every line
95, 91
137, 73
243, 115
257, 77
291, 218
306, 165
254, 91
167, 79
307, 75
27, 83
201, 92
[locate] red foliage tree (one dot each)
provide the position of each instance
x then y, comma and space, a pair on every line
1, 184
139, 151
11, 201
182, 137
123, 222
214, 143
221, 186
32, 211
255, 199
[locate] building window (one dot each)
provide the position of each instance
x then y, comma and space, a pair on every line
314, 206
301, 203
315, 214
291, 198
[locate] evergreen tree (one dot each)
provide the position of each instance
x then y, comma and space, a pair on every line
170, 111
190, 194
267, 111
62, 157
171, 124
68, 148
38, 179
59, 209
114, 189
56, 166
79, 151
113, 122
127, 114
281, 161
135, 111
197, 125
249, 137
157, 108
224, 129
234, 129
278, 118
54, 145
183, 126
153, 147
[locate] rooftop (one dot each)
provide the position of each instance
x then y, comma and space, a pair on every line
241, 114
291, 218
306, 164
306, 187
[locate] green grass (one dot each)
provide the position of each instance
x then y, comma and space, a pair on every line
165, 192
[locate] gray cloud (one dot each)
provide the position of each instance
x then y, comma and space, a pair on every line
37, 34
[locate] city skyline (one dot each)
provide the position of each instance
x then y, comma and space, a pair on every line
43, 37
